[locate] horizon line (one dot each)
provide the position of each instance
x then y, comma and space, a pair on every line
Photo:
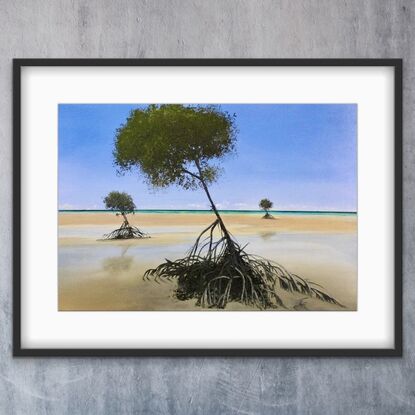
210, 210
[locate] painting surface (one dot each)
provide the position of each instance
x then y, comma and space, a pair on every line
234, 207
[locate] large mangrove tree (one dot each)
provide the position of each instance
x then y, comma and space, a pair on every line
182, 145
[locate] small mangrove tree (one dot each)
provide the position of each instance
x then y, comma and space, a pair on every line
122, 203
266, 205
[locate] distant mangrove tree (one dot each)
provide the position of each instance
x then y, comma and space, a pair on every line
266, 205
122, 203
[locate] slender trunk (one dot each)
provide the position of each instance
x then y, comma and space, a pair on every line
126, 223
212, 204
215, 210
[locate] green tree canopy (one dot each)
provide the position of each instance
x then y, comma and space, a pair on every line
166, 142
120, 202
265, 204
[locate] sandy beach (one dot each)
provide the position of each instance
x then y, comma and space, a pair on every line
96, 274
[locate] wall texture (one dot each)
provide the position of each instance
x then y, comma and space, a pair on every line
215, 28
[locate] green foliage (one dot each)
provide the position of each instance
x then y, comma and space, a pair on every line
164, 141
119, 202
265, 204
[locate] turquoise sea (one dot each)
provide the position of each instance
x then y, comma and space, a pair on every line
231, 212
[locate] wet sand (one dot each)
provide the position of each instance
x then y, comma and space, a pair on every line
249, 222
107, 275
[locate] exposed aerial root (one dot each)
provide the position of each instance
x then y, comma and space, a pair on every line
268, 216
126, 231
216, 272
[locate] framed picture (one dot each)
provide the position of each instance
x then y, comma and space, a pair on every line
207, 207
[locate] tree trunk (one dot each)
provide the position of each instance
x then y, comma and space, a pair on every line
126, 223
215, 210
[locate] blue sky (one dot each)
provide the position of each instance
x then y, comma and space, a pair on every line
301, 156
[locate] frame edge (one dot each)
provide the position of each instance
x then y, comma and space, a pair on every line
18, 351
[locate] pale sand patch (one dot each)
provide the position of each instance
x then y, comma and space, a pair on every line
166, 239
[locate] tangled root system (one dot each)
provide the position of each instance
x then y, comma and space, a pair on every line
216, 272
126, 231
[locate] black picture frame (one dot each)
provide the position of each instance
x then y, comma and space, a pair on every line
18, 351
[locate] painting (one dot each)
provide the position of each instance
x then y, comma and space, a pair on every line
207, 207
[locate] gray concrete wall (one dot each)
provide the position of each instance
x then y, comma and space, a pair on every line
210, 28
